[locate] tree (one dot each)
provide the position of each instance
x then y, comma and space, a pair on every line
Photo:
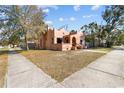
114, 18
9, 24
22, 21
118, 37
31, 20
91, 30
85, 28
121, 38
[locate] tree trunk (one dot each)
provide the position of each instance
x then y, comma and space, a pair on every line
26, 42
99, 42
39, 43
93, 42
13, 45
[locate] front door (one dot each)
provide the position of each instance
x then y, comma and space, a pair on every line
73, 43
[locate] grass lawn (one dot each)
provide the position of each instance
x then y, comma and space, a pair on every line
3, 65
58, 64
102, 49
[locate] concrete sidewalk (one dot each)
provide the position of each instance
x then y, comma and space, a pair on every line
24, 74
107, 71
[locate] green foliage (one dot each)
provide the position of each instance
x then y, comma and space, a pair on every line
92, 32
21, 21
121, 38
110, 32
114, 17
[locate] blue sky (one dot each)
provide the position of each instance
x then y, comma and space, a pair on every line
73, 16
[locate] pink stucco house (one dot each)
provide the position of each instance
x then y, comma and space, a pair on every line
62, 40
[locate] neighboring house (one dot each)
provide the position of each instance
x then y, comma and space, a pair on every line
62, 40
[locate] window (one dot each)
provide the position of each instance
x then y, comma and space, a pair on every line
66, 40
59, 40
81, 42
52, 40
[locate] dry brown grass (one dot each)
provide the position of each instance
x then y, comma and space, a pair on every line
3, 66
60, 65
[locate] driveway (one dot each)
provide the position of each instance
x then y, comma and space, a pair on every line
107, 71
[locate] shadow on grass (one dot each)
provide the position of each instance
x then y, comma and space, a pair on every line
19, 51
118, 48
107, 48
3, 52
6, 51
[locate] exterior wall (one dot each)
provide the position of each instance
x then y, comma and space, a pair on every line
42, 41
49, 40
57, 47
66, 47
46, 40
79, 36
59, 34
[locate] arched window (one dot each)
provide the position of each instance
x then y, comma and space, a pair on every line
73, 41
66, 40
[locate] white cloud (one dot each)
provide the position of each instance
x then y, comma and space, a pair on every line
49, 22
88, 16
95, 7
61, 19
76, 7
49, 6
46, 10
72, 19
